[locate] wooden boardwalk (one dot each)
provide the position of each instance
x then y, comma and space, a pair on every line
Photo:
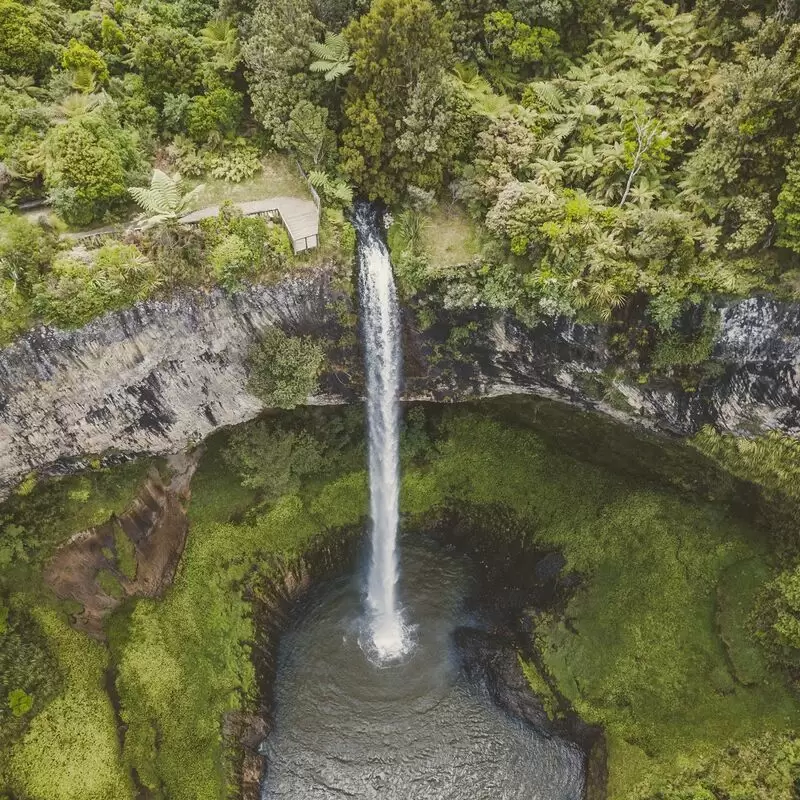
300, 217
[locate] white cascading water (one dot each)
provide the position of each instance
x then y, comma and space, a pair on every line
381, 329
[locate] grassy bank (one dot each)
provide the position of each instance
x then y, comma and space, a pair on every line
656, 644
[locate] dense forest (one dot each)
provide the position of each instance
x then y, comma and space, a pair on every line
627, 163
610, 156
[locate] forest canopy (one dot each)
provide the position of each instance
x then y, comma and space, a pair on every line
611, 155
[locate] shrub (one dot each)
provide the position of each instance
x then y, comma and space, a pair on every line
236, 163
76, 292
217, 112
80, 58
22, 48
284, 370
89, 162
243, 248
26, 250
15, 314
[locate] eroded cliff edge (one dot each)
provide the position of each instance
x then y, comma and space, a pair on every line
165, 374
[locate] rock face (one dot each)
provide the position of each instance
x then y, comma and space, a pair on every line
153, 378
755, 385
164, 374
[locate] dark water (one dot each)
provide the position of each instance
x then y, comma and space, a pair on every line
347, 729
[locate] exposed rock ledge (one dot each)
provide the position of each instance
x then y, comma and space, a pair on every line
167, 373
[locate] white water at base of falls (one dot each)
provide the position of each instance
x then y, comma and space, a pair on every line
386, 638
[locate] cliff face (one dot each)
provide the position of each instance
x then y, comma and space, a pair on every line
165, 374
153, 378
754, 385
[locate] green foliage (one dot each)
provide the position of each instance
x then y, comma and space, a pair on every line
237, 161
109, 583
81, 59
308, 131
76, 292
638, 648
221, 38
333, 57
185, 662
126, 553
169, 60
293, 456
29, 674
284, 369
89, 160
772, 460
20, 702
277, 61
399, 126
163, 199
764, 768
24, 36
214, 114
242, 249
26, 250
31, 525
70, 749
787, 212
778, 620
334, 191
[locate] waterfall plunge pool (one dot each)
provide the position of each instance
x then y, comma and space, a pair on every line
419, 730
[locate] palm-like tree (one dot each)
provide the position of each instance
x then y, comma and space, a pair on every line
222, 39
163, 199
77, 104
333, 56
333, 190
582, 162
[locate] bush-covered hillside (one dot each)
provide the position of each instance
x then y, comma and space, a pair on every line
612, 156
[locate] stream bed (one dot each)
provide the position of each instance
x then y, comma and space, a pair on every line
344, 728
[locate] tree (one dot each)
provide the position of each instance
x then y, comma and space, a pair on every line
214, 114
787, 212
400, 51
169, 60
221, 38
333, 56
88, 163
163, 199
284, 370
308, 131
26, 250
24, 38
87, 65
277, 60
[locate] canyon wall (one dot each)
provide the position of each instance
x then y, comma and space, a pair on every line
164, 374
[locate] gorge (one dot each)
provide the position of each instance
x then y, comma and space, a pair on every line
167, 373
399, 399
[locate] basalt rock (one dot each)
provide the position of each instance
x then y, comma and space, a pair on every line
164, 374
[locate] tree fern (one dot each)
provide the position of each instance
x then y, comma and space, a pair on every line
333, 56
162, 200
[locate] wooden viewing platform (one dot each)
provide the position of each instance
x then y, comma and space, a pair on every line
300, 218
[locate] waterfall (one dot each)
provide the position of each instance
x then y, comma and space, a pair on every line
386, 635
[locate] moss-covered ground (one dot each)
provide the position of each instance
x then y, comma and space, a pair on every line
655, 643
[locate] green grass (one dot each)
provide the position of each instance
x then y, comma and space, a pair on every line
638, 649
654, 644
125, 553
450, 237
185, 661
110, 584
70, 751
280, 176
33, 524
